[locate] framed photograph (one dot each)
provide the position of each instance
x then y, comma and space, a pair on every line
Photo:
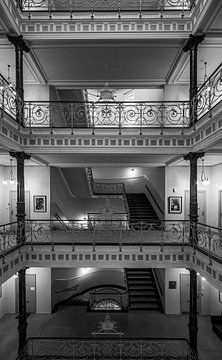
175, 204
40, 203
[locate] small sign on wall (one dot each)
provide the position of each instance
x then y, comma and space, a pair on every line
172, 284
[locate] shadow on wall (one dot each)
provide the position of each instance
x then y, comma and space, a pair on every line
65, 286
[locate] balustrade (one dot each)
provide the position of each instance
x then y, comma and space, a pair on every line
110, 114
107, 6
107, 348
112, 232
106, 114
210, 93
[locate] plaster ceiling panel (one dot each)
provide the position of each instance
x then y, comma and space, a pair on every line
217, 23
111, 63
75, 160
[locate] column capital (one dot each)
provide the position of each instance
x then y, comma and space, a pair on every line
193, 42
192, 156
18, 42
19, 155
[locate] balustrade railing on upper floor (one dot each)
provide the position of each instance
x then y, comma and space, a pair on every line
93, 6
210, 93
7, 98
114, 232
111, 114
119, 115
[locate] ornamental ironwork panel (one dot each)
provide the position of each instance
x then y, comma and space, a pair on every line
7, 98
105, 5
108, 348
210, 93
106, 114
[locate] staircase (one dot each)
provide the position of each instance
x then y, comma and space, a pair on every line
143, 293
141, 209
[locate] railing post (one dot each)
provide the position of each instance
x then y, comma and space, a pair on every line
93, 120
120, 118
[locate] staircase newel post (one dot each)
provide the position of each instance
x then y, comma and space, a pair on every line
193, 328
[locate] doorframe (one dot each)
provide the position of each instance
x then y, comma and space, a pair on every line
199, 293
220, 209
17, 293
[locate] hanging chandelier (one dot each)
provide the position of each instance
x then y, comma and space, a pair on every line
203, 177
106, 94
11, 178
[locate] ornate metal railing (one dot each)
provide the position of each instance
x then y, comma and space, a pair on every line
210, 93
92, 6
106, 114
7, 98
98, 296
107, 348
113, 232
8, 237
109, 189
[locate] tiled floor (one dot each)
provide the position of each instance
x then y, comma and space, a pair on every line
73, 321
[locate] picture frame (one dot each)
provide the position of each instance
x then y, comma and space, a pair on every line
175, 204
40, 203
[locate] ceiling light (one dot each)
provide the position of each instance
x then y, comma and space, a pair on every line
203, 178
106, 94
10, 179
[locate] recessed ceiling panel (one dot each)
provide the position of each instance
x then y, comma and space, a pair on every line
101, 62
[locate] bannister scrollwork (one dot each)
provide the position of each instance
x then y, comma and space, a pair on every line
108, 348
210, 93
117, 231
107, 6
8, 98
118, 115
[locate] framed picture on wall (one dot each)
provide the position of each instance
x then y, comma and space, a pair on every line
175, 204
40, 203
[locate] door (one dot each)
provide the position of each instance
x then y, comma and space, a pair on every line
13, 205
201, 200
30, 293
185, 293
220, 209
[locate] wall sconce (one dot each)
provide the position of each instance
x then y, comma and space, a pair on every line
203, 178
11, 178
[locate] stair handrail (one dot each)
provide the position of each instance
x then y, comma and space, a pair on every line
154, 200
119, 185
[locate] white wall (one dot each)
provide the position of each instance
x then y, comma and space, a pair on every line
36, 93
177, 177
43, 292
85, 278
43, 289
209, 301
7, 298
4, 207
176, 92
37, 181
77, 208
172, 296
